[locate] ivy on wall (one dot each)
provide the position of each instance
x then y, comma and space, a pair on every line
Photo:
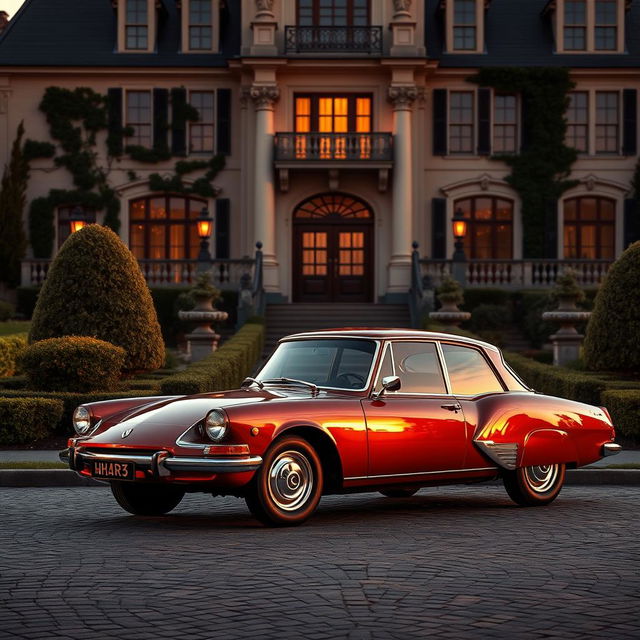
540, 172
75, 118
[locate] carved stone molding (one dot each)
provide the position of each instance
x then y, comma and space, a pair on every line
402, 8
264, 96
264, 8
403, 97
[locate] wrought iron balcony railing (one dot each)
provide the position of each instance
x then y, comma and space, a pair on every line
334, 40
360, 147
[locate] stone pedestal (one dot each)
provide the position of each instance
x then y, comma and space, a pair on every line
450, 315
566, 341
203, 340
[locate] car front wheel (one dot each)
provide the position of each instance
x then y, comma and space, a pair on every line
534, 486
287, 488
146, 499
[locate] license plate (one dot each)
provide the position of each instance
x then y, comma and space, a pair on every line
114, 470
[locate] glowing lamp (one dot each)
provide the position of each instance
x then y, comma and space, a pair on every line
205, 225
459, 225
77, 219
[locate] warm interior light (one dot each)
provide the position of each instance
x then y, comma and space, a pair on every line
459, 228
205, 227
76, 225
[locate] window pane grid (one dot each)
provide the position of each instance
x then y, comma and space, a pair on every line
461, 132
136, 27
490, 235
607, 122
578, 121
505, 124
139, 117
201, 133
575, 21
589, 229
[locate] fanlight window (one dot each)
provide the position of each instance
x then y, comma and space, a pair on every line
335, 207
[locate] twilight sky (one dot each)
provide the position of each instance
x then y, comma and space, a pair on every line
10, 6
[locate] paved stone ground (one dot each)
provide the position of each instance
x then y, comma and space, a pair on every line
449, 563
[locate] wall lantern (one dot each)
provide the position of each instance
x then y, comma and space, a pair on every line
460, 224
205, 225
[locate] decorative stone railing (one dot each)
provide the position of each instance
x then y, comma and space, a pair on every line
518, 273
338, 147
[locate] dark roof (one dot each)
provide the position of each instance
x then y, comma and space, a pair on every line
518, 34
83, 33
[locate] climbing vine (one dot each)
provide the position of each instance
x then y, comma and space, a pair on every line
540, 172
75, 118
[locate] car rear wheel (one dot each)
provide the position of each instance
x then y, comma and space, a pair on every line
534, 486
146, 499
400, 492
287, 488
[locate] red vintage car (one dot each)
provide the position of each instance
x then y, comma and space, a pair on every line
342, 411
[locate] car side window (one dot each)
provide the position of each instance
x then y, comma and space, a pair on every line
469, 372
418, 367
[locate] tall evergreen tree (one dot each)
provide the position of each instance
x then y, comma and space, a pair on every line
13, 189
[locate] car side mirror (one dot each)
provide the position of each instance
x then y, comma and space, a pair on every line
389, 383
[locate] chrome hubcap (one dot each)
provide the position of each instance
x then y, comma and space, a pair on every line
542, 478
290, 480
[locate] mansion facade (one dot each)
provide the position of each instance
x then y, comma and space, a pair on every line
349, 130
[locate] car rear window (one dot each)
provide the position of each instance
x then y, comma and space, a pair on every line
469, 372
340, 363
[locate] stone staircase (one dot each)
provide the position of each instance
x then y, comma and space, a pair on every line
285, 319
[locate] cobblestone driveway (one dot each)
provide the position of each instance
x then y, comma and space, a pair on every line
451, 563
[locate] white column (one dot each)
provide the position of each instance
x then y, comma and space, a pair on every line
264, 97
402, 98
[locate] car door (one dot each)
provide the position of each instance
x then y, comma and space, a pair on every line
420, 428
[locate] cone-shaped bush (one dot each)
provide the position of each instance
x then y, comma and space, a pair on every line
95, 288
612, 341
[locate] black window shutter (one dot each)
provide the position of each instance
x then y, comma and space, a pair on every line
439, 122
222, 227
160, 119
115, 138
551, 230
179, 122
525, 139
630, 122
631, 232
223, 112
439, 228
484, 121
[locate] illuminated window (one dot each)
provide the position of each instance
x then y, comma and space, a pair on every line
607, 121
165, 228
589, 228
575, 25
200, 25
505, 124
490, 231
139, 118
137, 25
201, 133
578, 121
464, 25
461, 122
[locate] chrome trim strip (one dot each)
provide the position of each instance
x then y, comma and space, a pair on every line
443, 367
611, 449
190, 445
117, 457
504, 454
420, 473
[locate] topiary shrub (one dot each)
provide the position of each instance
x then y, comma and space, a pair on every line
487, 317
95, 288
10, 349
611, 342
72, 363
24, 420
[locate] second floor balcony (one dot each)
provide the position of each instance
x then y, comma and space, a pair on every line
331, 39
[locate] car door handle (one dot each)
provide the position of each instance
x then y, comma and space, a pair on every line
452, 406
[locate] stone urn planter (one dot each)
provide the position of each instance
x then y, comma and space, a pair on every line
567, 341
203, 340
450, 296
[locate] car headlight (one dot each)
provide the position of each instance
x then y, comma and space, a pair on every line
216, 424
81, 420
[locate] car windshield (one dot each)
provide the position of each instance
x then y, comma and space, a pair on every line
339, 363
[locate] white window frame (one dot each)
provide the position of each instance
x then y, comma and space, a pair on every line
125, 116
214, 122
474, 124
449, 18
494, 95
152, 19
186, 28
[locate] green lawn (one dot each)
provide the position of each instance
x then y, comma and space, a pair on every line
16, 326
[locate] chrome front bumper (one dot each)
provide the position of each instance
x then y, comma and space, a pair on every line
610, 449
163, 463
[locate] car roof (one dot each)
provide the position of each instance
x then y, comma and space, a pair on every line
373, 333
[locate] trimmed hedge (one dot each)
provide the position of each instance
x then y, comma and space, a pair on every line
73, 363
24, 420
225, 368
624, 407
10, 349
62, 424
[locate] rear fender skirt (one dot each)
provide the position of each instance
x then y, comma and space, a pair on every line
548, 446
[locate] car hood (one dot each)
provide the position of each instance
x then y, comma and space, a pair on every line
171, 418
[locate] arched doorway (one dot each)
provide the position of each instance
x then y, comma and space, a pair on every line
333, 249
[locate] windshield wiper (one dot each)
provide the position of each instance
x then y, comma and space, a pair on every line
252, 381
313, 387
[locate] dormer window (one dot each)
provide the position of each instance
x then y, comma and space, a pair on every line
137, 21
588, 26
200, 26
465, 25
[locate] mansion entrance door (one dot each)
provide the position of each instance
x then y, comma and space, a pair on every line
333, 250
